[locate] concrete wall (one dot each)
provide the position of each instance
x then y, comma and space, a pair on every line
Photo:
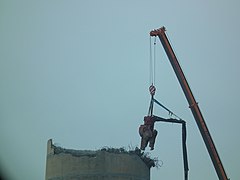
67, 164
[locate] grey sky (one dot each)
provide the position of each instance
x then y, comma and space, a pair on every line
78, 72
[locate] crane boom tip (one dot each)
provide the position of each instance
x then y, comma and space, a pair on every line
157, 32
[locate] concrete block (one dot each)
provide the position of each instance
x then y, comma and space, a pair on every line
68, 164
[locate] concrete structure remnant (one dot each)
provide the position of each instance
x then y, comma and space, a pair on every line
103, 164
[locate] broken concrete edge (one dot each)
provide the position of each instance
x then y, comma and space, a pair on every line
145, 157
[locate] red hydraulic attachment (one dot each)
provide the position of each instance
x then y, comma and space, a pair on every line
192, 103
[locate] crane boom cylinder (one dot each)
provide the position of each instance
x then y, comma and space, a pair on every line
193, 105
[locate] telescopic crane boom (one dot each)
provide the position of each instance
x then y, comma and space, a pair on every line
193, 105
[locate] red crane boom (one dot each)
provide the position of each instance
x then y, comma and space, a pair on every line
193, 105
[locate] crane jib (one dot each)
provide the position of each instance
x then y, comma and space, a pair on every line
192, 103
